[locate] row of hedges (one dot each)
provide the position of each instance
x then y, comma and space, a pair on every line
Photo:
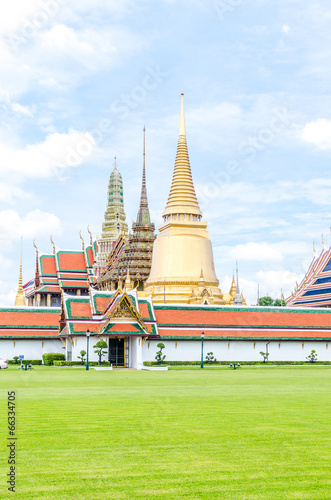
78, 363
226, 363
28, 361
50, 357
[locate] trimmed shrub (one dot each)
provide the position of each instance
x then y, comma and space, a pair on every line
28, 361
78, 363
52, 356
226, 363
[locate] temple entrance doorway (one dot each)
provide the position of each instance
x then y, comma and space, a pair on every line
117, 352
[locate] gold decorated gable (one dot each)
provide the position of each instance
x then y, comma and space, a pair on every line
124, 310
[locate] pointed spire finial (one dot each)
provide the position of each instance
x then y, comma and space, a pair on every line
182, 197
115, 163
238, 299
36, 277
182, 130
20, 299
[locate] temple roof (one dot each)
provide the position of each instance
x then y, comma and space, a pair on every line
242, 322
38, 322
315, 288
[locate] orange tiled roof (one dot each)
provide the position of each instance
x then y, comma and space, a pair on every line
47, 265
248, 333
29, 332
262, 317
80, 310
28, 317
71, 261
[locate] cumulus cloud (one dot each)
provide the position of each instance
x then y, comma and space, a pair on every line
56, 152
33, 224
273, 280
318, 132
255, 251
9, 193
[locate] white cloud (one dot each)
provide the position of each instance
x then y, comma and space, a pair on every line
8, 193
318, 132
56, 152
32, 225
7, 294
271, 282
255, 251
286, 28
22, 110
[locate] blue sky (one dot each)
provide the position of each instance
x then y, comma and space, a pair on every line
79, 79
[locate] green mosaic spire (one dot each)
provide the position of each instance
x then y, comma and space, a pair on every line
115, 222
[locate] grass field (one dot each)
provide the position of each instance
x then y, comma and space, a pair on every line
253, 433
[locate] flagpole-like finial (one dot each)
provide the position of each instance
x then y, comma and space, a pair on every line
20, 299
182, 130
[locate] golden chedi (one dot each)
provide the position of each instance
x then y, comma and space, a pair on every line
182, 263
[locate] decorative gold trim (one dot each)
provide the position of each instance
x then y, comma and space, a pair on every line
64, 341
71, 341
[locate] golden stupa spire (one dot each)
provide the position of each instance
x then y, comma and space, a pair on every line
182, 198
233, 288
20, 299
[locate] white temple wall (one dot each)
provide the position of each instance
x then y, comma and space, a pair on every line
80, 344
30, 349
236, 350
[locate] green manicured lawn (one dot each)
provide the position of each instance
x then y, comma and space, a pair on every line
252, 433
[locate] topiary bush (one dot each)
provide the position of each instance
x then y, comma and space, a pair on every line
28, 361
78, 363
48, 358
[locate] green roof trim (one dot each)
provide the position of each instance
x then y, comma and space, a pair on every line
68, 303
71, 252
242, 327
149, 307
135, 325
298, 339
305, 310
47, 256
30, 310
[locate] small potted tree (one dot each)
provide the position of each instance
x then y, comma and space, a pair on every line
159, 356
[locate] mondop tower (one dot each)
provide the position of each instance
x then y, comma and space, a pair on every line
182, 263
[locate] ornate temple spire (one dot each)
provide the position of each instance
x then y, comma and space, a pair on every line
182, 198
233, 288
143, 198
36, 277
115, 222
238, 301
20, 299
143, 216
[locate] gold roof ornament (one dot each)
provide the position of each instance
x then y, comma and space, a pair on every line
81, 237
182, 197
89, 232
51, 238
127, 285
20, 299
